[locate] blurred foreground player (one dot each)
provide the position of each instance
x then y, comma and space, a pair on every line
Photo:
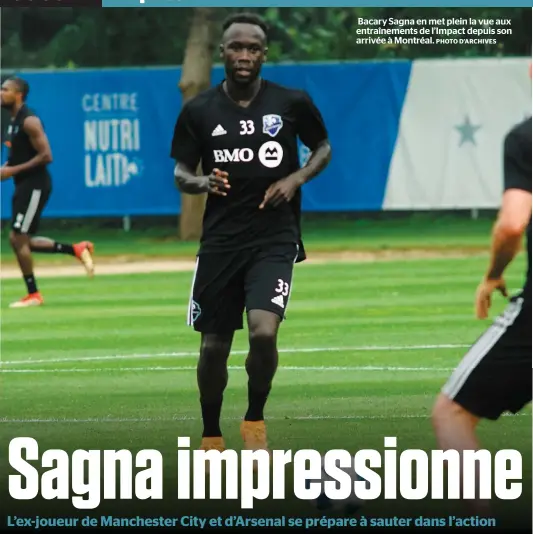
245, 132
495, 375
29, 156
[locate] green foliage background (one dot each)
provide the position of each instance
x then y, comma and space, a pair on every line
70, 37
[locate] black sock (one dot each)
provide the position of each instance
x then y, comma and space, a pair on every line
211, 419
256, 404
60, 248
261, 366
31, 284
212, 376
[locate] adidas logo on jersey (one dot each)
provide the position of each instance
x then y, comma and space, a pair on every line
279, 301
218, 131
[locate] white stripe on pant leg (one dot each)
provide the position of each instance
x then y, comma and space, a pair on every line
292, 279
31, 211
189, 310
472, 359
481, 348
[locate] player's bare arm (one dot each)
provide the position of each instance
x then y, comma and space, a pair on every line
318, 161
284, 190
34, 128
509, 229
512, 221
4, 172
188, 182
507, 235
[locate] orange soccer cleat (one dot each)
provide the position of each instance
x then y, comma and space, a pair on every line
84, 252
33, 299
254, 436
212, 444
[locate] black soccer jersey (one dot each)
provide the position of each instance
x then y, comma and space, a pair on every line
21, 150
256, 146
517, 175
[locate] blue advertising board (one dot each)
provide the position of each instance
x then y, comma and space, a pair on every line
110, 132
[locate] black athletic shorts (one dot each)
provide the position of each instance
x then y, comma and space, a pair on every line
29, 201
225, 284
495, 375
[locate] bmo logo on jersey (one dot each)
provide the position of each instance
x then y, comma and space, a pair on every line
234, 155
270, 155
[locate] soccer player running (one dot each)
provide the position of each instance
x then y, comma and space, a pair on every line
245, 133
495, 374
27, 162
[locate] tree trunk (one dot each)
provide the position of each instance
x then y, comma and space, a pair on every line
196, 77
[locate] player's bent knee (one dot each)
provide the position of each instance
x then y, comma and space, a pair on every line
447, 411
262, 336
13, 238
444, 406
17, 240
215, 347
441, 409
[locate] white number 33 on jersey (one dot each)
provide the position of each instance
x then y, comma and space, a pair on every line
282, 288
247, 127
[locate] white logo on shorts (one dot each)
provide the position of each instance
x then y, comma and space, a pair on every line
271, 154
18, 220
279, 301
195, 311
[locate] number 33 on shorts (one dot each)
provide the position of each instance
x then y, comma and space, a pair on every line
282, 287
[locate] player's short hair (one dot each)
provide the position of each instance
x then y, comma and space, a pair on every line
22, 86
246, 18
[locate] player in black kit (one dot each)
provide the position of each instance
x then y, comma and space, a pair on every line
495, 375
245, 131
27, 162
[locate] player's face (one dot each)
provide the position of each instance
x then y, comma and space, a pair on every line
243, 52
9, 94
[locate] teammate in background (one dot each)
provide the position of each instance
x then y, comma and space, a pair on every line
495, 374
29, 156
245, 132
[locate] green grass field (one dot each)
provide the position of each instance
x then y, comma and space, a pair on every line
109, 363
435, 232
